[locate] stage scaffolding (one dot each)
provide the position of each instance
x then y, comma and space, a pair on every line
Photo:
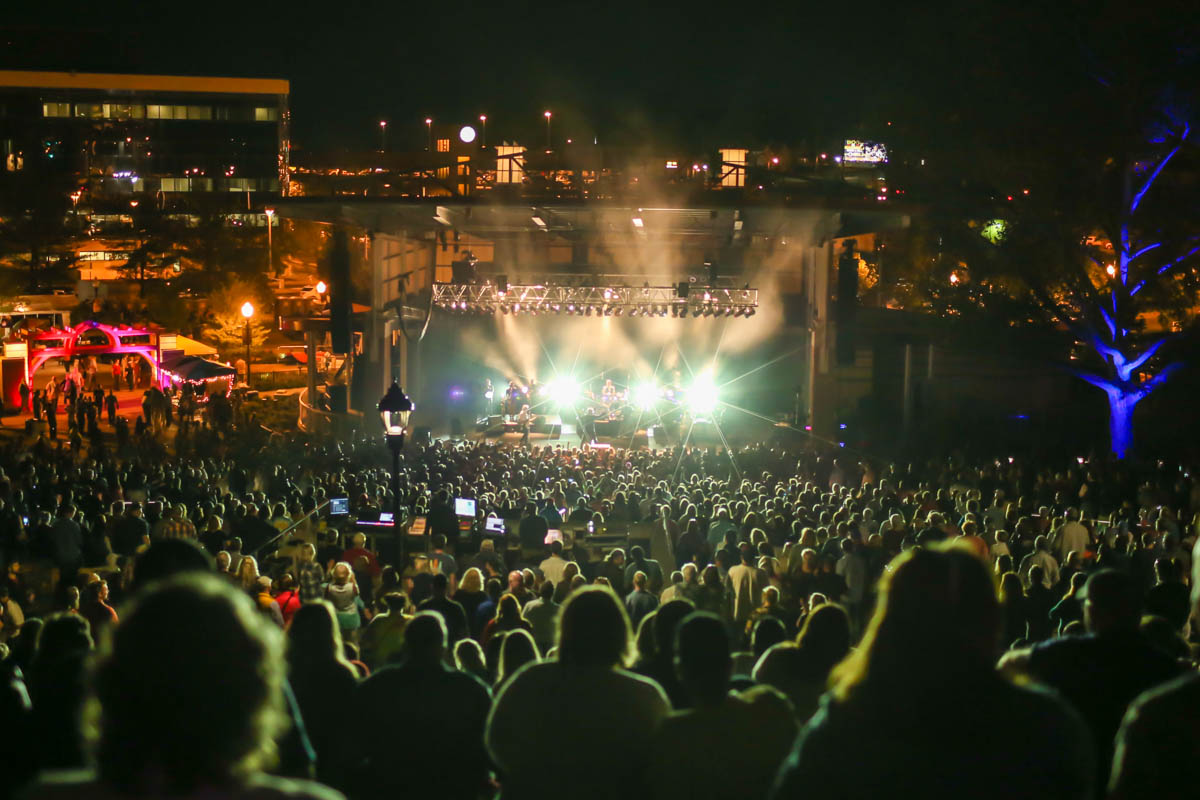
681, 300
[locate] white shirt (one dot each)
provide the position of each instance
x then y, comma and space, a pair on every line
1072, 537
552, 568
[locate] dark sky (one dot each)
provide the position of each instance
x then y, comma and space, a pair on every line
700, 74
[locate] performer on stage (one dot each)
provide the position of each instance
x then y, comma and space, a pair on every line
587, 424
524, 423
608, 394
489, 397
514, 398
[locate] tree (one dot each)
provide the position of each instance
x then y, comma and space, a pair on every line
1061, 190
226, 323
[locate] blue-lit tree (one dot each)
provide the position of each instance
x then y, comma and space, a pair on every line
1110, 266
1079, 216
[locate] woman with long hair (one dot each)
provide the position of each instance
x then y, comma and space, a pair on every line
323, 682
801, 669
1014, 608
597, 706
517, 650
247, 575
343, 593
908, 709
508, 618
470, 592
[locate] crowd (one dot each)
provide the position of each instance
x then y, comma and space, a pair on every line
785, 624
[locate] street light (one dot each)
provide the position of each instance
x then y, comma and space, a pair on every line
429, 131
383, 135
247, 313
394, 410
547, 131
483, 131
270, 240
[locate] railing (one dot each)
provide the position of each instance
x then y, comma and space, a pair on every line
288, 530
319, 421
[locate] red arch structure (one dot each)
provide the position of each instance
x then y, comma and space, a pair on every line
65, 343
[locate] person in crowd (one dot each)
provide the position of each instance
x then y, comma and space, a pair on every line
343, 593
266, 601
1070, 608
287, 598
516, 650
613, 570
1102, 672
205, 640
486, 610
596, 704
745, 583
488, 561
382, 641
542, 615
470, 594
639, 602
923, 681
1169, 598
801, 670
640, 562
95, 608
508, 618
1159, 738
438, 712
468, 658
553, 565
753, 729
248, 575
452, 612
324, 683
659, 664
311, 575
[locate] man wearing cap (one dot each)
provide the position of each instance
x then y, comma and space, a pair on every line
1102, 672
1158, 744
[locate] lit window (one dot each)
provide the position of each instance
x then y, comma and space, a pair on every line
199, 112
733, 170
266, 114
56, 109
443, 145
89, 110
510, 164
672, 165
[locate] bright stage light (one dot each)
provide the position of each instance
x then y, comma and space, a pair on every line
466, 134
563, 391
645, 395
702, 396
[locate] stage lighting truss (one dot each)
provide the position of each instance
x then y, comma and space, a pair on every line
599, 301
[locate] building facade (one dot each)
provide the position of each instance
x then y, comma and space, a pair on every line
110, 138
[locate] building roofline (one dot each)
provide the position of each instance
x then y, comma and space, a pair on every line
144, 83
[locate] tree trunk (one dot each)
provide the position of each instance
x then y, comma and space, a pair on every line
1120, 420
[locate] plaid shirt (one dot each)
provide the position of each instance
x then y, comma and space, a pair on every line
311, 579
168, 528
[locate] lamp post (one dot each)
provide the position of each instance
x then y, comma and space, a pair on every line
394, 410
383, 135
270, 240
247, 313
483, 132
547, 131
429, 133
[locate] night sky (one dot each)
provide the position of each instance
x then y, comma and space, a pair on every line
627, 73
